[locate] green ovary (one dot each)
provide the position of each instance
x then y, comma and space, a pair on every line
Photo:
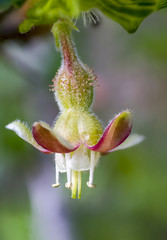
75, 90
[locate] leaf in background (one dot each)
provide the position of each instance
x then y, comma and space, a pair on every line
48, 12
129, 13
5, 4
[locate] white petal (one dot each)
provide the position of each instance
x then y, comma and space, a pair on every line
61, 162
80, 160
24, 132
131, 141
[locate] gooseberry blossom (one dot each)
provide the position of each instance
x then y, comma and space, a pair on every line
76, 138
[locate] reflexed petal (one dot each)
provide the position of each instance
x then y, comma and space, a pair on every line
24, 132
131, 141
116, 133
46, 138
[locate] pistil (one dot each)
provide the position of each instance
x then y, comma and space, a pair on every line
76, 184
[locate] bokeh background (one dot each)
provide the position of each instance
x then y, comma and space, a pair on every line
130, 200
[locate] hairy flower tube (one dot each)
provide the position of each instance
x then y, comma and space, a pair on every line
77, 137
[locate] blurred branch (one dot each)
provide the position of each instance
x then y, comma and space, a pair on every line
9, 23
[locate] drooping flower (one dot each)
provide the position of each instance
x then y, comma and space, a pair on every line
77, 138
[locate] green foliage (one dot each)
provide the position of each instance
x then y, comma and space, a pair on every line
5, 4
129, 13
49, 11
19, 3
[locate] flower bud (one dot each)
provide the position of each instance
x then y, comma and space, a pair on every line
74, 82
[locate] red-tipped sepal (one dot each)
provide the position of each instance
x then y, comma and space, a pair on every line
46, 138
115, 134
24, 132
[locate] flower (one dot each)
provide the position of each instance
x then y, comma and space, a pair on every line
77, 138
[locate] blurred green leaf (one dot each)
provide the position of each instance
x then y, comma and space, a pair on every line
15, 221
48, 12
129, 13
26, 25
5, 4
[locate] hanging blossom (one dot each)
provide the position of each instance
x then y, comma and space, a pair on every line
77, 138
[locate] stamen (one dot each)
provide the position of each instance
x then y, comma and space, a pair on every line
92, 166
56, 184
67, 158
